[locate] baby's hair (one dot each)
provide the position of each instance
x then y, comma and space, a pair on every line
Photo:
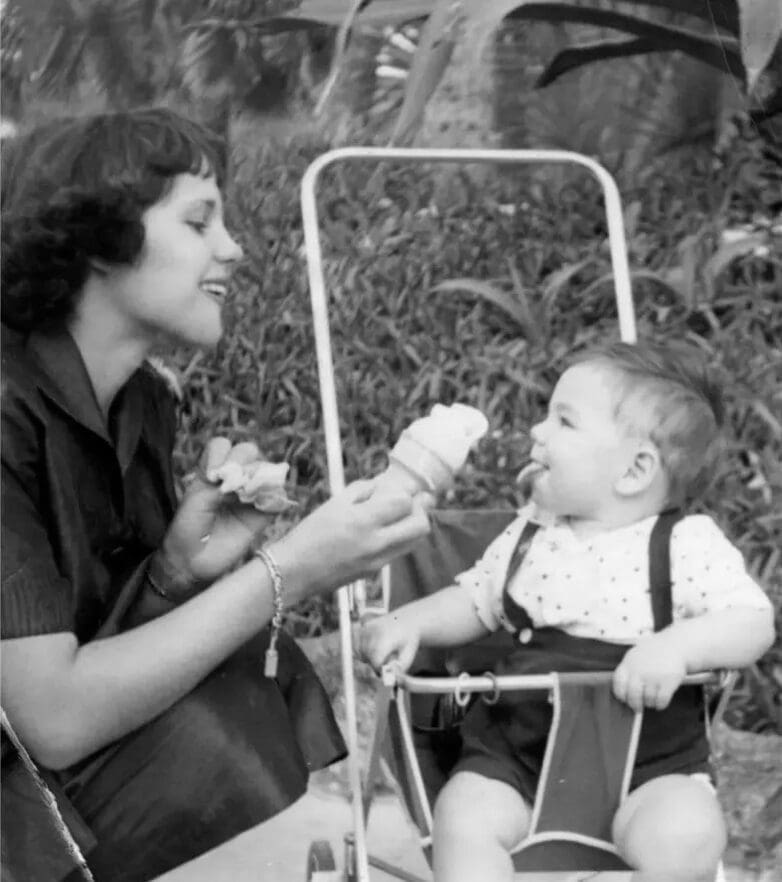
668, 394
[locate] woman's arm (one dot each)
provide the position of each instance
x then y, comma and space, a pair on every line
67, 701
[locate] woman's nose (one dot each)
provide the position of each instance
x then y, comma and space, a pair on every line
228, 249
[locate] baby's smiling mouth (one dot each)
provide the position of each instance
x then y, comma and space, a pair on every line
527, 475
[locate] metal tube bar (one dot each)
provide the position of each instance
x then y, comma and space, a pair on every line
518, 682
392, 870
413, 766
330, 411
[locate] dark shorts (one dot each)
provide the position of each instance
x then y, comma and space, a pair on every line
479, 758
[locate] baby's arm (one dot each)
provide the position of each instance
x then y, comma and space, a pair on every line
458, 614
654, 668
445, 618
727, 621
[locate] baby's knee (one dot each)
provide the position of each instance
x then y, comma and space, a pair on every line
457, 809
471, 807
672, 824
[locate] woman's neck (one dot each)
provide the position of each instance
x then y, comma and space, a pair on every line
110, 356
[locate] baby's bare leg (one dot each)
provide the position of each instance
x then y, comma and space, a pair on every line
477, 821
671, 829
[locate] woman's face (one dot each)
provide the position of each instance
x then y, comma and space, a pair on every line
177, 286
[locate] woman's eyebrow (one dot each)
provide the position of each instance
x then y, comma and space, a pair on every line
562, 407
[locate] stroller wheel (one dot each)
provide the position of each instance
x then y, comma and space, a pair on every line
321, 866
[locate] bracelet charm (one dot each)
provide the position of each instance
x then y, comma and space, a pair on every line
272, 657
156, 587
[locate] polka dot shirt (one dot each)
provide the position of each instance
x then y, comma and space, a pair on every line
599, 587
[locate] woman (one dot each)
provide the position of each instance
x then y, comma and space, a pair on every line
135, 630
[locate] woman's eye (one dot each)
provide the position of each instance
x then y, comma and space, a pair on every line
198, 226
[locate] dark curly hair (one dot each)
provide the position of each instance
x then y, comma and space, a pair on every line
75, 189
668, 393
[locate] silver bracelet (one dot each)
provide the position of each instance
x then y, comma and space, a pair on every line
270, 664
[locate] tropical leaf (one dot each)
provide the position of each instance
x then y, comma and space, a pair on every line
339, 53
496, 296
112, 38
375, 13
721, 53
574, 57
751, 242
558, 280
662, 279
435, 47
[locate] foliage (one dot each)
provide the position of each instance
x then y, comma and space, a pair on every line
211, 56
403, 340
736, 36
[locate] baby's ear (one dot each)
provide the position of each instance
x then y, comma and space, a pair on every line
642, 472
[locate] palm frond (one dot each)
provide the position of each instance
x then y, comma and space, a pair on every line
720, 53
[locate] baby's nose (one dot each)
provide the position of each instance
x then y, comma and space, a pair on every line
536, 433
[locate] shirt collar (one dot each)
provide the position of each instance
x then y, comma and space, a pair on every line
540, 516
544, 518
63, 378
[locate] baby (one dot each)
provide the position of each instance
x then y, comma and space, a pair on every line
630, 438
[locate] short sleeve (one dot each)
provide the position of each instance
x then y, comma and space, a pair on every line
36, 599
484, 581
708, 572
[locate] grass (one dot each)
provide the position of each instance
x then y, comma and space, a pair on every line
401, 343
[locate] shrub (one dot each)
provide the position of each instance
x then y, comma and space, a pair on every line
389, 237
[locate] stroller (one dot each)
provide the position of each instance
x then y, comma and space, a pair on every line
592, 742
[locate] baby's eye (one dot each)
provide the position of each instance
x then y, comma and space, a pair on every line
564, 421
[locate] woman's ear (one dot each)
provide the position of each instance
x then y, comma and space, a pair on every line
644, 469
99, 267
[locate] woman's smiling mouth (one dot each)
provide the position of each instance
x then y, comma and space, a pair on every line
215, 289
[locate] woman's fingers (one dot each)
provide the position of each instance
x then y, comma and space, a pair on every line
244, 453
389, 507
406, 530
219, 451
215, 453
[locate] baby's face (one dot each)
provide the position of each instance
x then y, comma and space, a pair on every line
582, 448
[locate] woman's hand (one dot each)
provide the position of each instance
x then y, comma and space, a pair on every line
349, 537
211, 531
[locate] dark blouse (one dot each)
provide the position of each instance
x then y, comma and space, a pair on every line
83, 503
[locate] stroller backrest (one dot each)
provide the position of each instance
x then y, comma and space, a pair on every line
457, 540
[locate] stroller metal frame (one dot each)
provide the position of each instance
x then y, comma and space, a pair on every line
351, 598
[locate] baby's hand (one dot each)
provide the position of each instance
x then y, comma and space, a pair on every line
650, 673
386, 639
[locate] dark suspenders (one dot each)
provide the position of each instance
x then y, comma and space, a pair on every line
659, 567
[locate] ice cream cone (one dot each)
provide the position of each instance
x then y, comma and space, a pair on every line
434, 448
416, 467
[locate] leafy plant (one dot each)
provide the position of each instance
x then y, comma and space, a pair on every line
404, 339
743, 40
